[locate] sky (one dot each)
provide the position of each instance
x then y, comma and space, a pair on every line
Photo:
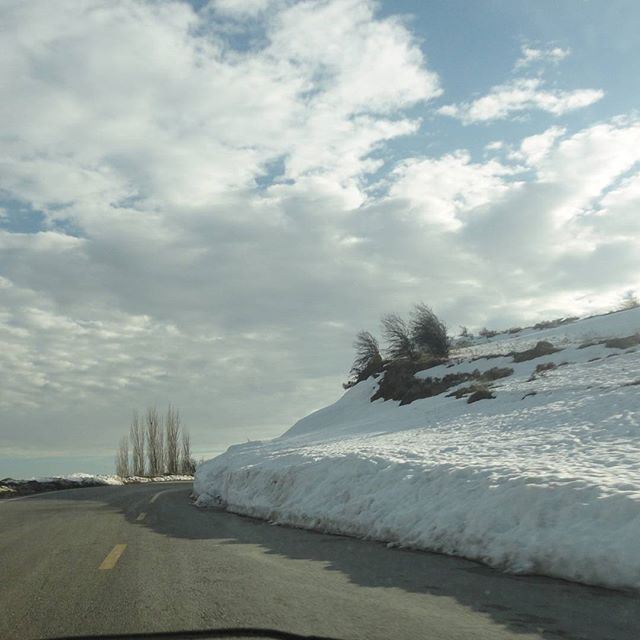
201, 203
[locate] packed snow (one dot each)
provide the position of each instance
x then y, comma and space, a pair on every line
545, 478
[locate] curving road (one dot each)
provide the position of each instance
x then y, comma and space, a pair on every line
142, 558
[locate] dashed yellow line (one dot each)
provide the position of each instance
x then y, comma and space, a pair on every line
141, 517
110, 561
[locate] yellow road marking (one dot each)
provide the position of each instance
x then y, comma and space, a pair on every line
141, 516
110, 561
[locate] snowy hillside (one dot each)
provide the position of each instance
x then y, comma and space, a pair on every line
543, 478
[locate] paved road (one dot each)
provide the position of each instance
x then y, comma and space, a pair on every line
142, 558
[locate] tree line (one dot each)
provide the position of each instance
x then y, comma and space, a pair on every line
423, 337
156, 445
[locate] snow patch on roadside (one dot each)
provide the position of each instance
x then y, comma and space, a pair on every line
9, 487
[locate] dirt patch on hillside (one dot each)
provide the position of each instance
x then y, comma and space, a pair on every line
623, 343
627, 342
400, 384
542, 348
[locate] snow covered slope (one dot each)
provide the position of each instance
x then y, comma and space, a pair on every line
545, 478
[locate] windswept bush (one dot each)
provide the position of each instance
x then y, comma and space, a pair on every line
368, 359
398, 338
428, 332
410, 347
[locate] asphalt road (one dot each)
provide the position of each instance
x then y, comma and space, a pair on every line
141, 558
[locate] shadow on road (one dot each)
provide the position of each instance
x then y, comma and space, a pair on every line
522, 604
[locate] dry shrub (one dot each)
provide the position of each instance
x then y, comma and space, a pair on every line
397, 335
429, 333
481, 393
368, 360
474, 392
546, 366
495, 373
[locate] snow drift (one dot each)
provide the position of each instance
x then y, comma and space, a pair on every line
545, 478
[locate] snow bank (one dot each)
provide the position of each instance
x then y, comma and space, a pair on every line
143, 479
545, 478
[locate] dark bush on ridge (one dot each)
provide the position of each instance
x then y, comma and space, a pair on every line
428, 332
397, 334
368, 359
399, 383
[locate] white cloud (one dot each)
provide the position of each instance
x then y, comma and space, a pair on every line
589, 162
531, 55
548, 226
517, 96
441, 190
534, 149
618, 216
196, 119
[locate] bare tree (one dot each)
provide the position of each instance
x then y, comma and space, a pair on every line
162, 455
136, 435
428, 332
187, 463
368, 359
155, 442
172, 429
122, 458
396, 333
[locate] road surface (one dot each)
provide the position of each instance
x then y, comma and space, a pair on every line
142, 558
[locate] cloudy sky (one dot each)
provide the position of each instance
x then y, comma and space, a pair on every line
202, 202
